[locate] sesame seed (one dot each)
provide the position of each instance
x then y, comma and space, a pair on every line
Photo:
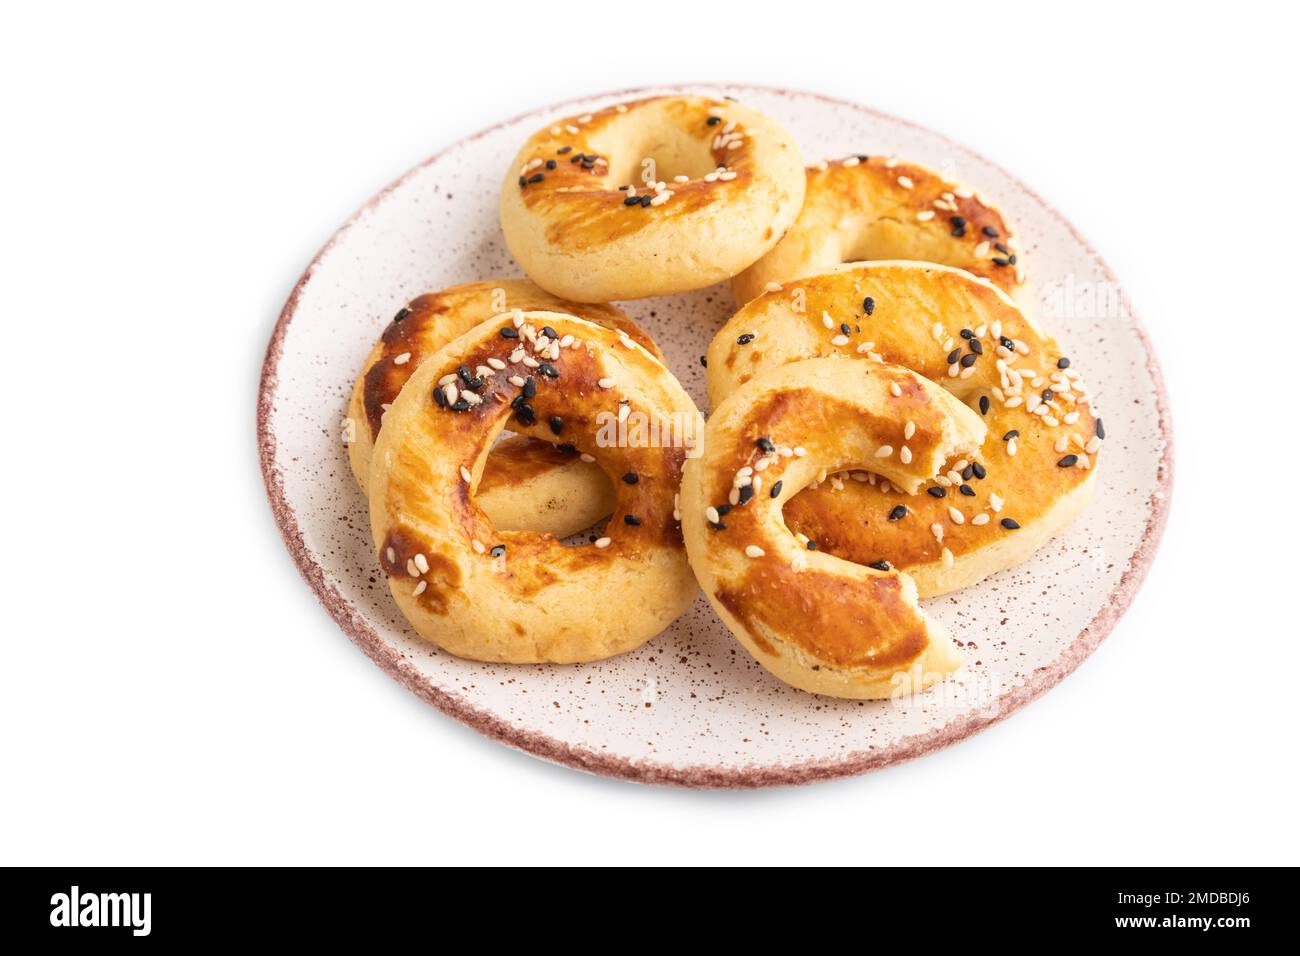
947, 558
1010, 524
420, 588
602, 542
879, 565
411, 569
402, 359
745, 339
898, 512
905, 182
587, 458
956, 516
509, 333
905, 455
711, 515
936, 492
465, 474
895, 390
632, 520
868, 305
1069, 461
754, 551
884, 451
1100, 431
606, 383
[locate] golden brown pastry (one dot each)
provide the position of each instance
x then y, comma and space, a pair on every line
816, 621
529, 483
651, 197
875, 208
984, 511
522, 596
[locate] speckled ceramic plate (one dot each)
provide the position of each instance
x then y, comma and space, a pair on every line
691, 707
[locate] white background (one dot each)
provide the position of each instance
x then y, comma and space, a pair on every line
171, 692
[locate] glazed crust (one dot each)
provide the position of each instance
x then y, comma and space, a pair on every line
871, 208
573, 230
918, 313
517, 596
818, 622
529, 484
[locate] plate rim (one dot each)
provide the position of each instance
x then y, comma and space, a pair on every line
390, 660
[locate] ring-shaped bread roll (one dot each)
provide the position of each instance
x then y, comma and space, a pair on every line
875, 208
522, 596
985, 512
652, 197
529, 483
816, 621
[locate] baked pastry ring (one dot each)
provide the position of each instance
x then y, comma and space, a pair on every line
651, 197
523, 596
528, 484
819, 622
876, 208
1033, 474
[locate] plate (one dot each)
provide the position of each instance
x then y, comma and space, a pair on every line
691, 707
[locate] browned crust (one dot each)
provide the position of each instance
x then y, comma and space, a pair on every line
704, 776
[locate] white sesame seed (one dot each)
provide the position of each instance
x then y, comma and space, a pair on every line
566, 341
606, 383
996, 502
773, 287
711, 514
905, 182
827, 320
411, 569
465, 475
947, 558
980, 518
800, 451
602, 542
925, 215
681, 179
895, 390
956, 516
496, 363
422, 563
531, 362
402, 359
884, 451
587, 458
762, 464
754, 551
1071, 417
518, 381
936, 529
420, 588
905, 455
391, 555
982, 249
1011, 448
1093, 446
840, 340
450, 393
447, 379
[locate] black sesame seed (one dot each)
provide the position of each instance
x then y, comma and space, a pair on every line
526, 414
522, 182
547, 370
460, 405
1001, 248
550, 164
999, 261
632, 201
1047, 394
953, 356
745, 494
745, 339
868, 305
776, 490
464, 374
967, 473
516, 401
937, 492
966, 490
588, 162
766, 445
577, 158
900, 511
1007, 343
1063, 362
1014, 433
967, 334
976, 346
549, 332
530, 387
557, 424
718, 525
879, 565
704, 360
1011, 259
959, 232
969, 359
984, 404
563, 149
812, 545
402, 313
713, 120
497, 550
1011, 524
631, 478
980, 471
633, 520
1101, 432
724, 509
957, 220
536, 177
990, 232
509, 332
845, 328
645, 200
1069, 461
567, 448
439, 398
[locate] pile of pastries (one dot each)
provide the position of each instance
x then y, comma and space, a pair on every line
886, 422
